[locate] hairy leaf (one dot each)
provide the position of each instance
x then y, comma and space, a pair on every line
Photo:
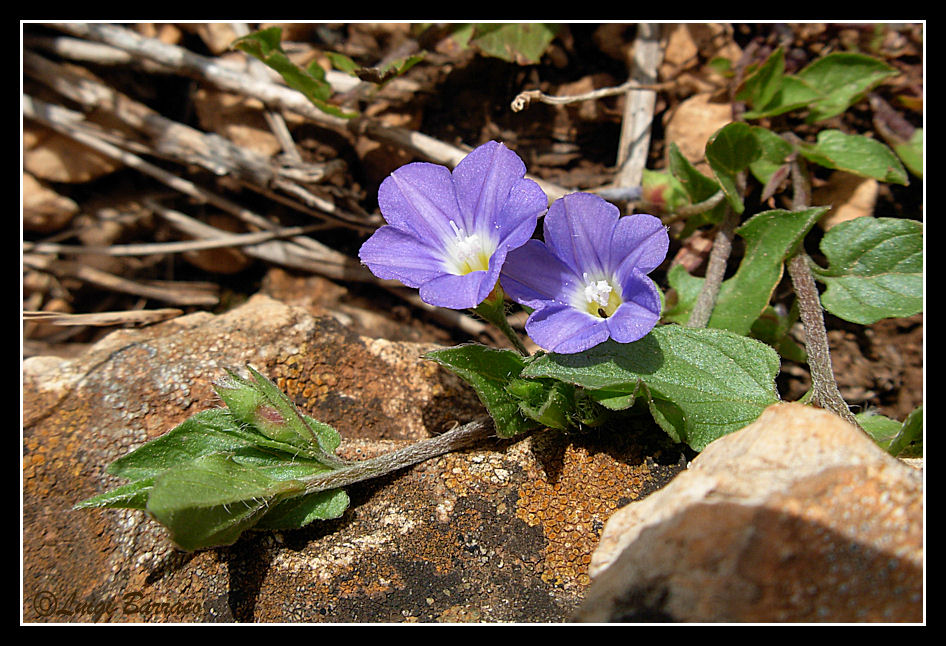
875, 269
489, 371
700, 383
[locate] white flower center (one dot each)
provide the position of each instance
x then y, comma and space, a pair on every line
598, 292
600, 298
468, 252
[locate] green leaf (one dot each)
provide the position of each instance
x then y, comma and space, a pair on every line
698, 186
217, 474
855, 154
489, 371
898, 439
700, 383
522, 43
265, 45
204, 433
770, 237
911, 152
342, 63
295, 513
729, 151
773, 154
842, 79
760, 87
875, 269
547, 401
378, 75
133, 495
210, 501
773, 329
793, 94
909, 441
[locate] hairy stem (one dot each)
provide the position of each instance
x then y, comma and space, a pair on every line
690, 210
381, 465
493, 310
715, 270
824, 388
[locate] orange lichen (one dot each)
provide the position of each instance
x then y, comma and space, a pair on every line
572, 506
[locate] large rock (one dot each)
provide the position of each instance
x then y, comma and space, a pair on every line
500, 532
798, 517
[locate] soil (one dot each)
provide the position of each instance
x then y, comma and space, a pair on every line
460, 97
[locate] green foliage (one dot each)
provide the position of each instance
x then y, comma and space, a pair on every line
265, 45
730, 151
826, 87
874, 265
899, 439
217, 474
771, 238
698, 186
252, 465
910, 152
522, 43
489, 371
875, 269
855, 154
698, 384
379, 75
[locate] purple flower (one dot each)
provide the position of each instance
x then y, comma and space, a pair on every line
588, 280
448, 233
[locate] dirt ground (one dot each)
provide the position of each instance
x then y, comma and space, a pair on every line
455, 95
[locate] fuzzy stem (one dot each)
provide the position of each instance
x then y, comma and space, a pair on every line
715, 271
824, 388
381, 465
493, 310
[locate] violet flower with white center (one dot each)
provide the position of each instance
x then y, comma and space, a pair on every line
448, 233
587, 281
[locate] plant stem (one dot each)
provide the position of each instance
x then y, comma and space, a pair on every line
493, 310
715, 270
824, 388
690, 210
381, 465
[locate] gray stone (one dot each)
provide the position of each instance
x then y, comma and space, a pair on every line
798, 517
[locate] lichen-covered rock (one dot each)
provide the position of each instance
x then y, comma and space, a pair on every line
499, 532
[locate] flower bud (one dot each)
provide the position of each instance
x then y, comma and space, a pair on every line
251, 406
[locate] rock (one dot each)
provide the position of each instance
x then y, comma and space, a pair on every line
693, 122
45, 210
500, 532
798, 517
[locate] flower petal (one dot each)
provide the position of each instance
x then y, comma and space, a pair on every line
563, 329
458, 292
640, 241
483, 180
578, 229
533, 276
639, 312
517, 221
393, 254
420, 198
